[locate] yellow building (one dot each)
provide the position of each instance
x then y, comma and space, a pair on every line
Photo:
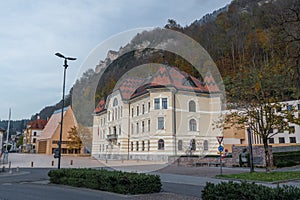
170, 113
49, 138
234, 136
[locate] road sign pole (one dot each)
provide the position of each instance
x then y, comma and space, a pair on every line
220, 149
221, 163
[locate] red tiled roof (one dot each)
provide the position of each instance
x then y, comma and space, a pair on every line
210, 83
165, 77
128, 86
101, 106
37, 124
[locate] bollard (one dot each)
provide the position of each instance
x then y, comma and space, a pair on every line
52, 163
71, 162
9, 167
3, 169
31, 164
17, 169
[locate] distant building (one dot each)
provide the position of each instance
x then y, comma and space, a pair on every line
291, 137
284, 138
49, 138
32, 133
234, 136
164, 115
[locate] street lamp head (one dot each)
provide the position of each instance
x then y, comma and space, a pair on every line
70, 58
60, 55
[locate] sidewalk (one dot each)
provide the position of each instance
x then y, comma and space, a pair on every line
23, 160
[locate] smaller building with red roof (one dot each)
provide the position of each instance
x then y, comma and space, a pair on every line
32, 133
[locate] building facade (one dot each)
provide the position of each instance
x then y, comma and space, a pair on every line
284, 137
49, 138
32, 133
167, 114
281, 138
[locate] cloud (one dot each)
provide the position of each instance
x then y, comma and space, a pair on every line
33, 31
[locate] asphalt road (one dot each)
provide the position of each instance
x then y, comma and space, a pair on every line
31, 191
32, 184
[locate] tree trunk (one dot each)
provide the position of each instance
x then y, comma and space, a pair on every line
267, 154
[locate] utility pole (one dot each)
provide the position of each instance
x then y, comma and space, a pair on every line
7, 132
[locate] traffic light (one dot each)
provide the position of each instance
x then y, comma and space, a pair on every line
56, 153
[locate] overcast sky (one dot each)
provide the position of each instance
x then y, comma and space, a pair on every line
33, 31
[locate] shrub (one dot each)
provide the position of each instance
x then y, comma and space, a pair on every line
286, 159
112, 181
231, 190
289, 163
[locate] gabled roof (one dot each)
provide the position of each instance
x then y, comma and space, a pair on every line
37, 124
210, 83
53, 124
101, 106
166, 76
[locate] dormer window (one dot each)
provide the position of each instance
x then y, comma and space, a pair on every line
115, 103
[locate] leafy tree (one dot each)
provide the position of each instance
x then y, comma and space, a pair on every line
286, 31
74, 139
20, 140
172, 24
256, 94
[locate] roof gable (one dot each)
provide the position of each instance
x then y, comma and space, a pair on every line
166, 76
54, 123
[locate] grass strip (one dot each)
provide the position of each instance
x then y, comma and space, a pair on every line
264, 176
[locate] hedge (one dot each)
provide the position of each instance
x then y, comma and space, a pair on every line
231, 190
112, 181
286, 159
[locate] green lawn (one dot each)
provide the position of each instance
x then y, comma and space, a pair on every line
264, 176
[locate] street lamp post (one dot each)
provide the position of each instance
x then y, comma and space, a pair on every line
63, 104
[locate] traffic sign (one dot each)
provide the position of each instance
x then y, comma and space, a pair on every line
221, 148
220, 139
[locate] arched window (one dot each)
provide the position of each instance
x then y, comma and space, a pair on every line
115, 103
192, 106
179, 145
193, 125
193, 145
205, 145
161, 144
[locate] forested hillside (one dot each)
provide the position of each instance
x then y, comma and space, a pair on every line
246, 39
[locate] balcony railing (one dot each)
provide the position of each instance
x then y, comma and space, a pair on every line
113, 136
